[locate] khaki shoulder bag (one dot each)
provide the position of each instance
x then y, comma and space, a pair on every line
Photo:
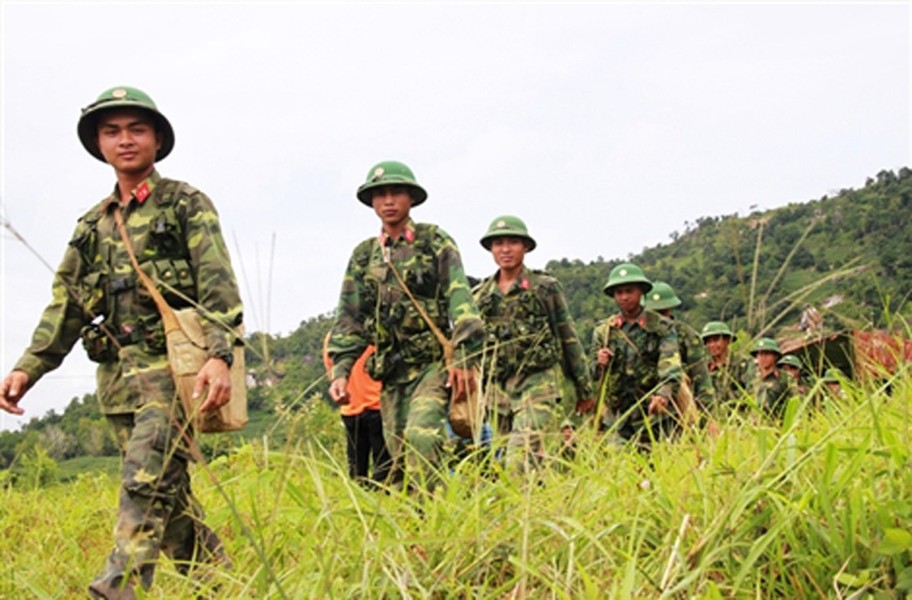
188, 352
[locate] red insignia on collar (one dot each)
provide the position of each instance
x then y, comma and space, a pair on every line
409, 235
524, 283
142, 191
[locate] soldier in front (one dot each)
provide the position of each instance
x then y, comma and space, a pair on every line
530, 339
175, 232
402, 289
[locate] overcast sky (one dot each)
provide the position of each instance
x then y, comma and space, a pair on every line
604, 126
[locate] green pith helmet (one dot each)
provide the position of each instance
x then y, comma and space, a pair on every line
507, 226
122, 97
714, 328
391, 172
661, 297
626, 273
790, 360
766, 345
832, 376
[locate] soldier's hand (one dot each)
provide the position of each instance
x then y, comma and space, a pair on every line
658, 405
338, 391
584, 405
462, 382
604, 357
12, 390
215, 374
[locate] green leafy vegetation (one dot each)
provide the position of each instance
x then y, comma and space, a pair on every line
816, 505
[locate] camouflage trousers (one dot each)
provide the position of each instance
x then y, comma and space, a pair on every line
524, 408
414, 416
157, 512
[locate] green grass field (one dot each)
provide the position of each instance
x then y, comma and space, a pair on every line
819, 505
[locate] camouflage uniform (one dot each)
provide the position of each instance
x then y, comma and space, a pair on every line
773, 391
728, 380
646, 361
693, 358
175, 234
373, 309
530, 334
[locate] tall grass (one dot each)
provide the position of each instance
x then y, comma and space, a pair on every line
817, 505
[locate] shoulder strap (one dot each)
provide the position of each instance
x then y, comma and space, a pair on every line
169, 319
448, 352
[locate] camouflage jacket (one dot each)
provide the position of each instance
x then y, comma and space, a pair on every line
729, 380
374, 309
773, 391
529, 329
693, 358
175, 234
646, 361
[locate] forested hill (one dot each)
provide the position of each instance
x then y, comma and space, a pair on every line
849, 256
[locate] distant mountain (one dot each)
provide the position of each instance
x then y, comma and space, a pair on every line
849, 257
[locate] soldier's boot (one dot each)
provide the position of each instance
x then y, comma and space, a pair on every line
201, 557
118, 589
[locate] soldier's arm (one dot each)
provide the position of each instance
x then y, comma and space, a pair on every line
60, 324
573, 357
348, 338
216, 285
698, 369
670, 370
468, 328
598, 339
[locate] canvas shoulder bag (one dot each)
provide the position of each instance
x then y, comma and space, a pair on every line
188, 352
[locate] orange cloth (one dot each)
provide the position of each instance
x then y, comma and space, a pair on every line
363, 392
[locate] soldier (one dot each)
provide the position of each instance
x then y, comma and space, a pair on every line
398, 289
662, 299
772, 387
638, 360
792, 365
727, 375
174, 230
832, 379
530, 335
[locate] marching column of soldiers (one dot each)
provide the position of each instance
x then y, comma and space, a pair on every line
437, 341
512, 339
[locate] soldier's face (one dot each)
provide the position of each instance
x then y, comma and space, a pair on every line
766, 360
508, 252
793, 371
128, 141
718, 347
628, 297
392, 204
